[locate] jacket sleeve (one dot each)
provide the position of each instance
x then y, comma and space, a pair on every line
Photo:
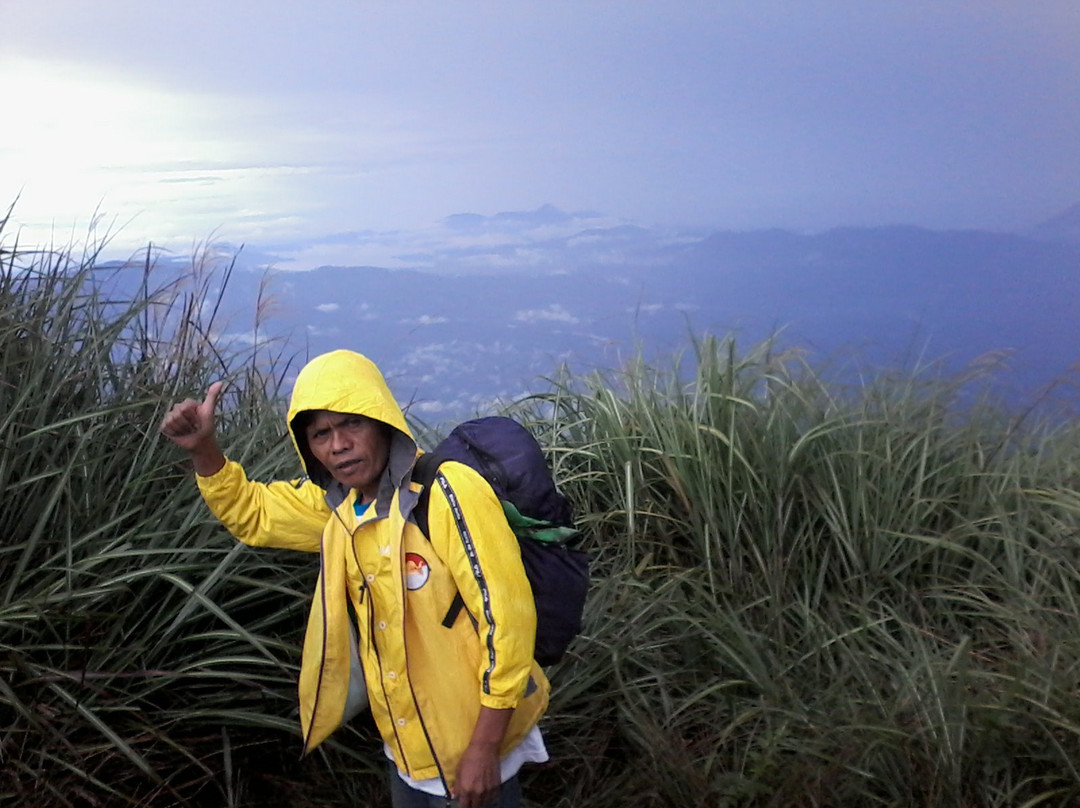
283, 514
469, 531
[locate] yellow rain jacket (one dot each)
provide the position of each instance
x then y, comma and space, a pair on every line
426, 682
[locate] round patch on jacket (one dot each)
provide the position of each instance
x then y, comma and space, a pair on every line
417, 571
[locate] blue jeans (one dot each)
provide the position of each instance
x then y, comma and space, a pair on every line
401, 796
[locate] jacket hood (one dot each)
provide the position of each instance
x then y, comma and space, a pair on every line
345, 381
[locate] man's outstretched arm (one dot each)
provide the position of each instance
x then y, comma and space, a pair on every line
191, 426
279, 514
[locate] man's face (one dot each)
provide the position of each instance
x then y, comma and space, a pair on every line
354, 449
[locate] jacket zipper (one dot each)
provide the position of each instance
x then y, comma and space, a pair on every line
375, 648
371, 639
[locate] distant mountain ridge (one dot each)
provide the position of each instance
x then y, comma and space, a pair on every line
1063, 227
476, 319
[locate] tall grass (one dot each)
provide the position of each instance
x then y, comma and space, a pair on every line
805, 593
812, 594
145, 658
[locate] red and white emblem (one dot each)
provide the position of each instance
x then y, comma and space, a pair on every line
417, 571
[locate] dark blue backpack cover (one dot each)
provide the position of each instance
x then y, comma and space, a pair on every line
510, 459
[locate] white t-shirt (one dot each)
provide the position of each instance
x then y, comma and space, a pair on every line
530, 750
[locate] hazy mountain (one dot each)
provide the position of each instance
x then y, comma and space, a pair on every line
484, 315
1063, 227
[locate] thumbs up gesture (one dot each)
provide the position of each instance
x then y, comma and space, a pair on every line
192, 425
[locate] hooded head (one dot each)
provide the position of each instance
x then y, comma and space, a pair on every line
346, 383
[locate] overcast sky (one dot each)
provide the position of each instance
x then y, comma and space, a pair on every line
278, 120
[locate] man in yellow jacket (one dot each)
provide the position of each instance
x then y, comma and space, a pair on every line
456, 705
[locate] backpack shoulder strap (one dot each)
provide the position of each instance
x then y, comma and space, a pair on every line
424, 471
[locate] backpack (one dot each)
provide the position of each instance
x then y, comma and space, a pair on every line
512, 462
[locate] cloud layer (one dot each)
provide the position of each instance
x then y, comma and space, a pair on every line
328, 117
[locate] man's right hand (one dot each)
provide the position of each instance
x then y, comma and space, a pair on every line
191, 426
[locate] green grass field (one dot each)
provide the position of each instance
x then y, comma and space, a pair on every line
805, 593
